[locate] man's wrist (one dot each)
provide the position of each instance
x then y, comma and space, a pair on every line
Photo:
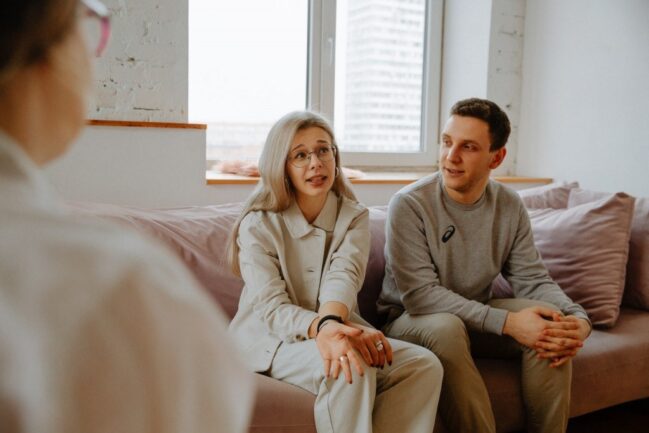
507, 324
586, 326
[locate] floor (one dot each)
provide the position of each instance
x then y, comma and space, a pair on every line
631, 417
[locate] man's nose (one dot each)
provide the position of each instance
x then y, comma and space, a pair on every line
453, 153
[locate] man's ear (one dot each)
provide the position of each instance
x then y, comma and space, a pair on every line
497, 158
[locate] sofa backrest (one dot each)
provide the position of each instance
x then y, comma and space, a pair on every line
198, 236
375, 268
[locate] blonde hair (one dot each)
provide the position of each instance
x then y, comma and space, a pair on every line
274, 191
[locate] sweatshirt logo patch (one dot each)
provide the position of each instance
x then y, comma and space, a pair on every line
448, 233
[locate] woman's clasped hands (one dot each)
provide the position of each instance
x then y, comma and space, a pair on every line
346, 346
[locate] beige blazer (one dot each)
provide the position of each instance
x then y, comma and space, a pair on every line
291, 267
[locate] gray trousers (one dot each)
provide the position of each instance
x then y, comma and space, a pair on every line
464, 404
398, 398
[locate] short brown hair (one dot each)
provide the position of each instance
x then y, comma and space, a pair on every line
483, 109
29, 28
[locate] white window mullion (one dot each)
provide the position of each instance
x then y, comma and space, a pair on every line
430, 115
425, 155
321, 68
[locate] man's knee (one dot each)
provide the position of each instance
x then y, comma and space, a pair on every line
440, 333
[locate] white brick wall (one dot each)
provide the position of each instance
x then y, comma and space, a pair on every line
143, 73
505, 68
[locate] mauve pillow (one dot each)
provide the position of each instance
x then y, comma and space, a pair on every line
585, 249
636, 292
197, 235
554, 195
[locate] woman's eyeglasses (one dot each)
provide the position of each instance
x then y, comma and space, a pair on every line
302, 158
96, 26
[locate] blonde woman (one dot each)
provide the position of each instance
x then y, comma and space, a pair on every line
301, 246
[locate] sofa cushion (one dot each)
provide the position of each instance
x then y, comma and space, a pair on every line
585, 249
636, 292
554, 195
282, 407
198, 235
610, 369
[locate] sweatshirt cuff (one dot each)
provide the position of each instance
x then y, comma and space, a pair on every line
581, 315
494, 321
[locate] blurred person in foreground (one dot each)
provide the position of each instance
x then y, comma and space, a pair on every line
100, 331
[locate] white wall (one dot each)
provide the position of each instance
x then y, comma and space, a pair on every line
465, 60
585, 99
482, 57
143, 73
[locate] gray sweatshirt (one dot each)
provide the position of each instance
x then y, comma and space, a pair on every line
442, 256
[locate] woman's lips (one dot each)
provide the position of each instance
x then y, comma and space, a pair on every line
317, 180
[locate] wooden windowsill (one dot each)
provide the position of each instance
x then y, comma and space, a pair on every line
371, 178
134, 124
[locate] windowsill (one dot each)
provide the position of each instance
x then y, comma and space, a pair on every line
370, 178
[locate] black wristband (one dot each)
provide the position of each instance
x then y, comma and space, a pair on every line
325, 318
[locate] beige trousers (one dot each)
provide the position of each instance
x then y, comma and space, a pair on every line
464, 405
398, 398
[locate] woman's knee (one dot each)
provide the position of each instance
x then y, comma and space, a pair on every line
359, 385
420, 361
433, 367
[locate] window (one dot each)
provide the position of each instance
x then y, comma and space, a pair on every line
247, 68
372, 66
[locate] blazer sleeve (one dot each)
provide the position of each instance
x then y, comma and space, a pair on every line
265, 289
344, 278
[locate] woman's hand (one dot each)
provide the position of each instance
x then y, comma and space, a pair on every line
334, 342
372, 345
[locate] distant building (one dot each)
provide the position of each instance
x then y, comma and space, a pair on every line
235, 140
384, 66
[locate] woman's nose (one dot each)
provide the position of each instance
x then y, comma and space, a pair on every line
314, 160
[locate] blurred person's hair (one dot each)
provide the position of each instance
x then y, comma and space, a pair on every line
29, 29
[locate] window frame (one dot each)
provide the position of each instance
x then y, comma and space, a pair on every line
321, 84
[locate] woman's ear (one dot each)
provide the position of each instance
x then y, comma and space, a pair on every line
497, 158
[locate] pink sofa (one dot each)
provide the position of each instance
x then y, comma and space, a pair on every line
612, 368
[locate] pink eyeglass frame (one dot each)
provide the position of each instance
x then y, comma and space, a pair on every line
100, 11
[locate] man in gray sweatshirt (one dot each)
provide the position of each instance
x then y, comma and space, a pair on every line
448, 237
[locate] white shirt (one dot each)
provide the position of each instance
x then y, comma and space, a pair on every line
101, 331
